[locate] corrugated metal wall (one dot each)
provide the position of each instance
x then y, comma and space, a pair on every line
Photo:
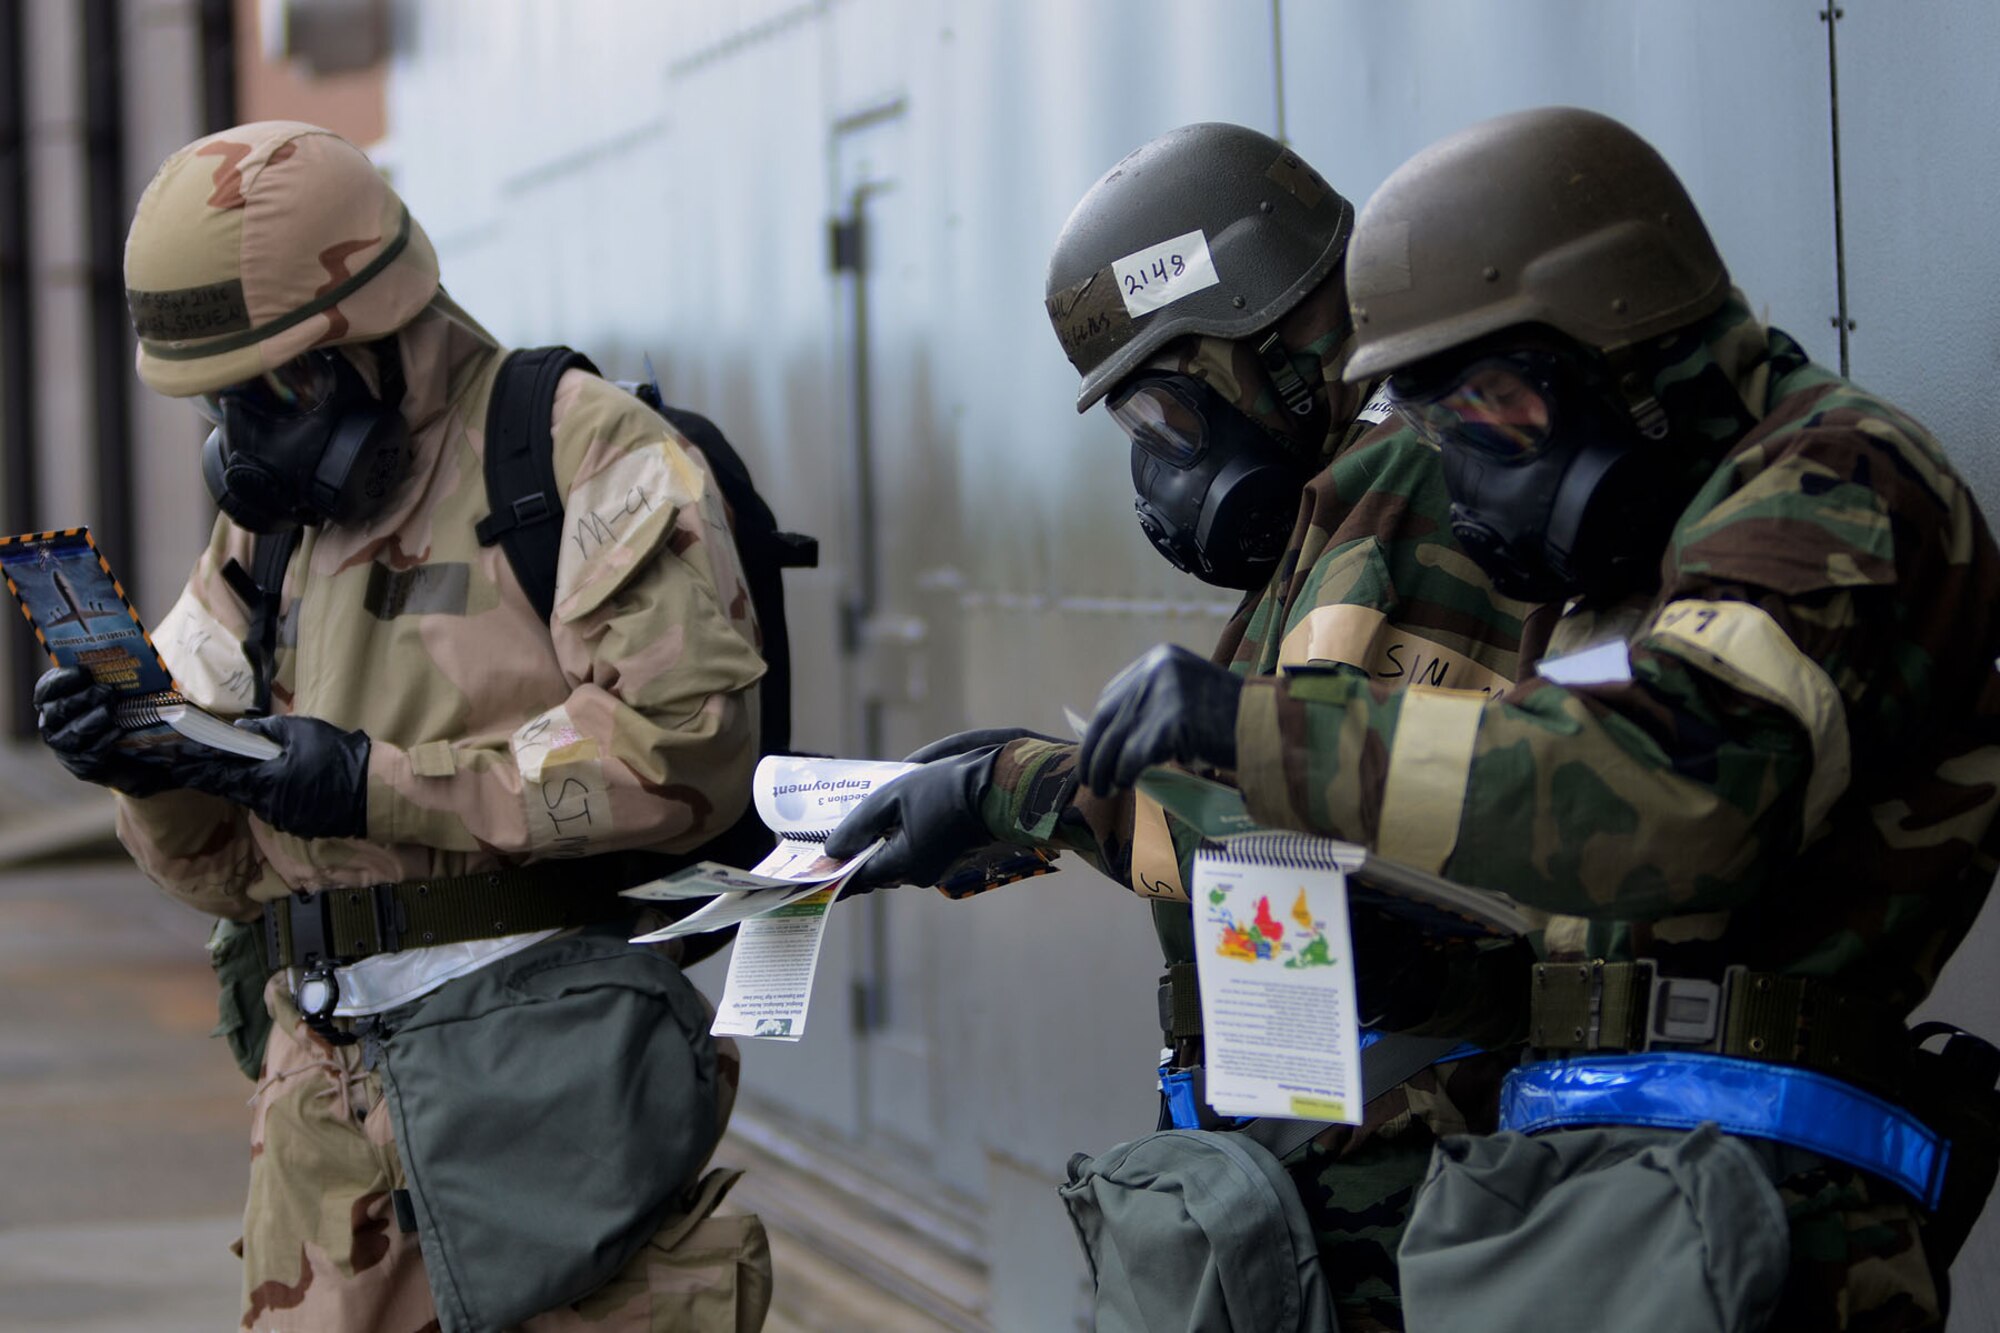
642, 177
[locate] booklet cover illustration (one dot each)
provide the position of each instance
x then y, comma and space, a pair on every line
82, 618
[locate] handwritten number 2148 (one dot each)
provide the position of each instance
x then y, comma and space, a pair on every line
1164, 269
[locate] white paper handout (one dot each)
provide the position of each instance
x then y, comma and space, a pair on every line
1277, 977
799, 799
781, 903
771, 971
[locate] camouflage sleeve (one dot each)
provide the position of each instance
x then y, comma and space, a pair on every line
1036, 800
1371, 586
654, 629
1373, 580
196, 847
1786, 603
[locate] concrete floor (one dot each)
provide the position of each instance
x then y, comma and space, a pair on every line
123, 1130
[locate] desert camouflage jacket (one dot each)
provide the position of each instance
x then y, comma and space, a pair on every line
627, 719
1802, 770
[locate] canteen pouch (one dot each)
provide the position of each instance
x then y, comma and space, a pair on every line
1197, 1230
551, 1110
236, 952
1559, 1230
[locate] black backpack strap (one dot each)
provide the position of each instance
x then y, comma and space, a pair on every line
524, 505
262, 591
765, 552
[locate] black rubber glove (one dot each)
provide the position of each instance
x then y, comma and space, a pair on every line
317, 788
930, 816
1170, 706
978, 739
73, 715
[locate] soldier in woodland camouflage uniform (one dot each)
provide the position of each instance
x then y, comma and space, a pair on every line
1359, 579
1777, 768
435, 727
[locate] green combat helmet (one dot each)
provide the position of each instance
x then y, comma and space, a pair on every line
1557, 216
1209, 229
256, 244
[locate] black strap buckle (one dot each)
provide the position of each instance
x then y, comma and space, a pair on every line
1685, 1012
299, 929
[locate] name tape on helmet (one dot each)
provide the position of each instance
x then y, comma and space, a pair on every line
1161, 274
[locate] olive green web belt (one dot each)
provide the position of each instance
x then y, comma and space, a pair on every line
1583, 1007
345, 925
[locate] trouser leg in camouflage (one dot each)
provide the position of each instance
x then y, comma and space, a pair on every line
323, 1253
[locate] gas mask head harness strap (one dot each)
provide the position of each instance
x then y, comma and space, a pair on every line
1217, 493
1563, 472
307, 442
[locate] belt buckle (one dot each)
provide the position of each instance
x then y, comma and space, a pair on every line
311, 917
1684, 1012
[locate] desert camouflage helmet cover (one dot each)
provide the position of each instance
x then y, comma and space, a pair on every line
1556, 216
1209, 229
255, 244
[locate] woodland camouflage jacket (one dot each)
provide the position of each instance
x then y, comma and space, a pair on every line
1371, 583
1800, 774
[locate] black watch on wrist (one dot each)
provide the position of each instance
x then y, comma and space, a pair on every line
317, 996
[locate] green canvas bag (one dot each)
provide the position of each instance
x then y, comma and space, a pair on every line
1196, 1230
550, 1111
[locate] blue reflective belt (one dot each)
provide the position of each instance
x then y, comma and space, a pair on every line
1178, 1088
1679, 1090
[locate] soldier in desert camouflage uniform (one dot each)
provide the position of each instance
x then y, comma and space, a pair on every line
1358, 577
1776, 771
435, 729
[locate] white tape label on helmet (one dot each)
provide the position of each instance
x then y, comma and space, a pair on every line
1162, 274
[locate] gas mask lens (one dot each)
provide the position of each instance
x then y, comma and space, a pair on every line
1162, 418
300, 385
1501, 406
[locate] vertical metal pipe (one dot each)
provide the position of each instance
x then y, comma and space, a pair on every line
1278, 65
17, 338
110, 361
218, 65
1842, 322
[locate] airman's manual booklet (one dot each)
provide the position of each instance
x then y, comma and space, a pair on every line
81, 617
783, 900
1272, 950
1431, 902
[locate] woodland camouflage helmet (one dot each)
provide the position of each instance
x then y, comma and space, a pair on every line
1556, 216
261, 242
1209, 229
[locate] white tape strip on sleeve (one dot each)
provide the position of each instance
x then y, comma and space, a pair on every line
1429, 766
1740, 645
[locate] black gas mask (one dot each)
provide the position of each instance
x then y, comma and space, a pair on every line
306, 443
1560, 487
1218, 494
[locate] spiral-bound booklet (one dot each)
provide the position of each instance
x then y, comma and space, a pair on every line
82, 618
1279, 1026
1431, 902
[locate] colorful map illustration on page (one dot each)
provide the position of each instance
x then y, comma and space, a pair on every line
1265, 938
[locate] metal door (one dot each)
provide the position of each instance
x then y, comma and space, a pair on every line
898, 613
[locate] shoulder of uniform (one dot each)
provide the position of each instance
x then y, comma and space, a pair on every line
1834, 427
